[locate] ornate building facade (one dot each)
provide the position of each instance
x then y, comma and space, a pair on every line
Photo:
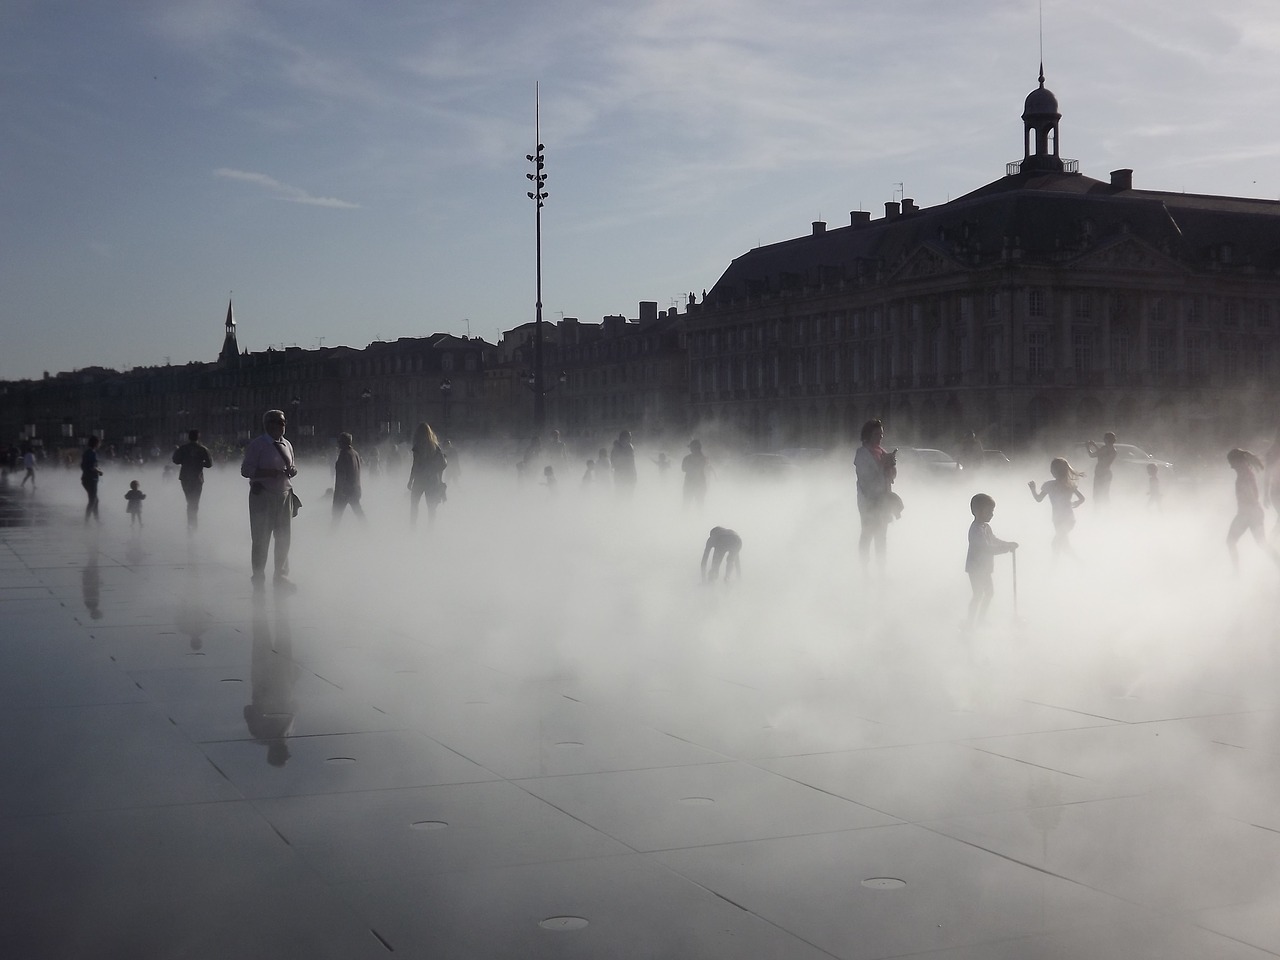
1043, 302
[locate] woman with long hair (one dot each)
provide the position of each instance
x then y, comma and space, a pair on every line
426, 476
876, 470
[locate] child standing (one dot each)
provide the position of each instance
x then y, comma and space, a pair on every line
589, 477
983, 546
134, 506
549, 479
1064, 496
1249, 516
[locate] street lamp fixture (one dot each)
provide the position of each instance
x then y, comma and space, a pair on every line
446, 388
539, 195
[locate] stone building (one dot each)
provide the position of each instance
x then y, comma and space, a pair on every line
1043, 302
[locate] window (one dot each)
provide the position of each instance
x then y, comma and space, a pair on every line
1084, 305
1036, 302
1160, 353
1230, 313
1037, 351
446, 362
1121, 349
1082, 350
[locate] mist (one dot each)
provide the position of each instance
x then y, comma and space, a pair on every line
520, 605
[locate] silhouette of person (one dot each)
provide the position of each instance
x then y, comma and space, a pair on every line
557, 452
134, 499
89, 476
722, 544
664, 464
876, 470
192, 459
623, 461
269, 465
694, 468
970, 454
980, 562
29, 465
1064, 496
1249, 516
346, 480
1106, 456
426, 476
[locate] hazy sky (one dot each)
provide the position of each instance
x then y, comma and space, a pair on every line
356, 171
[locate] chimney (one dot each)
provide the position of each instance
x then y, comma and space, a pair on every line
891, 209
859, 218
908, 205
648, 310
819, 227
1121, 180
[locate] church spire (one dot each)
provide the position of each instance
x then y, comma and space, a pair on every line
230, 355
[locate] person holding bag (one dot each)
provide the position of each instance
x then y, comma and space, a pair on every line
269, 465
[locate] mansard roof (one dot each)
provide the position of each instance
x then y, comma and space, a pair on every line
1044, 218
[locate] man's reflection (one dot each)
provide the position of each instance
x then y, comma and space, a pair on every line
269, 716
192, 619
91, 586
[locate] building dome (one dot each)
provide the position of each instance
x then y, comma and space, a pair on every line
1040, 103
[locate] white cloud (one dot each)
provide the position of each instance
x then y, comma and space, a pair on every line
283, 191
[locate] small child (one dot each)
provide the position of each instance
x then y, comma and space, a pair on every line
134, 506
664, 464
983, 546
723, 544
1064, 496
1249, 515
589, 477
549, 479
1153, 487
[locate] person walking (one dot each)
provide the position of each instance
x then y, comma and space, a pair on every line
346, 480
89, 476
876, 470
29, 465
623, 460
192, 459
269, 466
426, 476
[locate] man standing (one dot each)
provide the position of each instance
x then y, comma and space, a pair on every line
268, 466
192, 458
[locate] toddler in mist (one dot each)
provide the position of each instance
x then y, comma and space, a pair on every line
549, 479
722, 545
1153, 487
1064, 496
1249, 514
979, 564
133, 503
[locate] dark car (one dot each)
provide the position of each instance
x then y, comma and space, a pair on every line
928, 462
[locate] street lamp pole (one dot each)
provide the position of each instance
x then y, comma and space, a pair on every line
538, 195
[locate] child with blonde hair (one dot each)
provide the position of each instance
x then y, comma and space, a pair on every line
1064, 496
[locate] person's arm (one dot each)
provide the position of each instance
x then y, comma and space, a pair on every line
1032, 485
1079, 498
706, 552
207, 460
177, 455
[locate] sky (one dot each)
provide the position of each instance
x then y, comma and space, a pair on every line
352, 172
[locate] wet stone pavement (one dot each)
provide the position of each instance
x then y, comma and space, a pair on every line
195, 770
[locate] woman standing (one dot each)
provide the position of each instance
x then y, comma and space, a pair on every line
876, 471
426, 476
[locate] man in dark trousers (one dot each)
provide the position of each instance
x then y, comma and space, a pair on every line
192, 458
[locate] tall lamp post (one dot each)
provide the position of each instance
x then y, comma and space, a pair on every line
538, 194
446, 388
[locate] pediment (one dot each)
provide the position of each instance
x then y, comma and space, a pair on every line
1128, 253
925, 261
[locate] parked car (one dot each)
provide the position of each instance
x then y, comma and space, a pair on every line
928, 462
1130, 465
767, 466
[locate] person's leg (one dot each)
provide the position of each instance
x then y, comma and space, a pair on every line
1238, 526
414, 493
358, 510
283, 530
259, 532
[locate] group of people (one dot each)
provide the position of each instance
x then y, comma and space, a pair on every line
876, 470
